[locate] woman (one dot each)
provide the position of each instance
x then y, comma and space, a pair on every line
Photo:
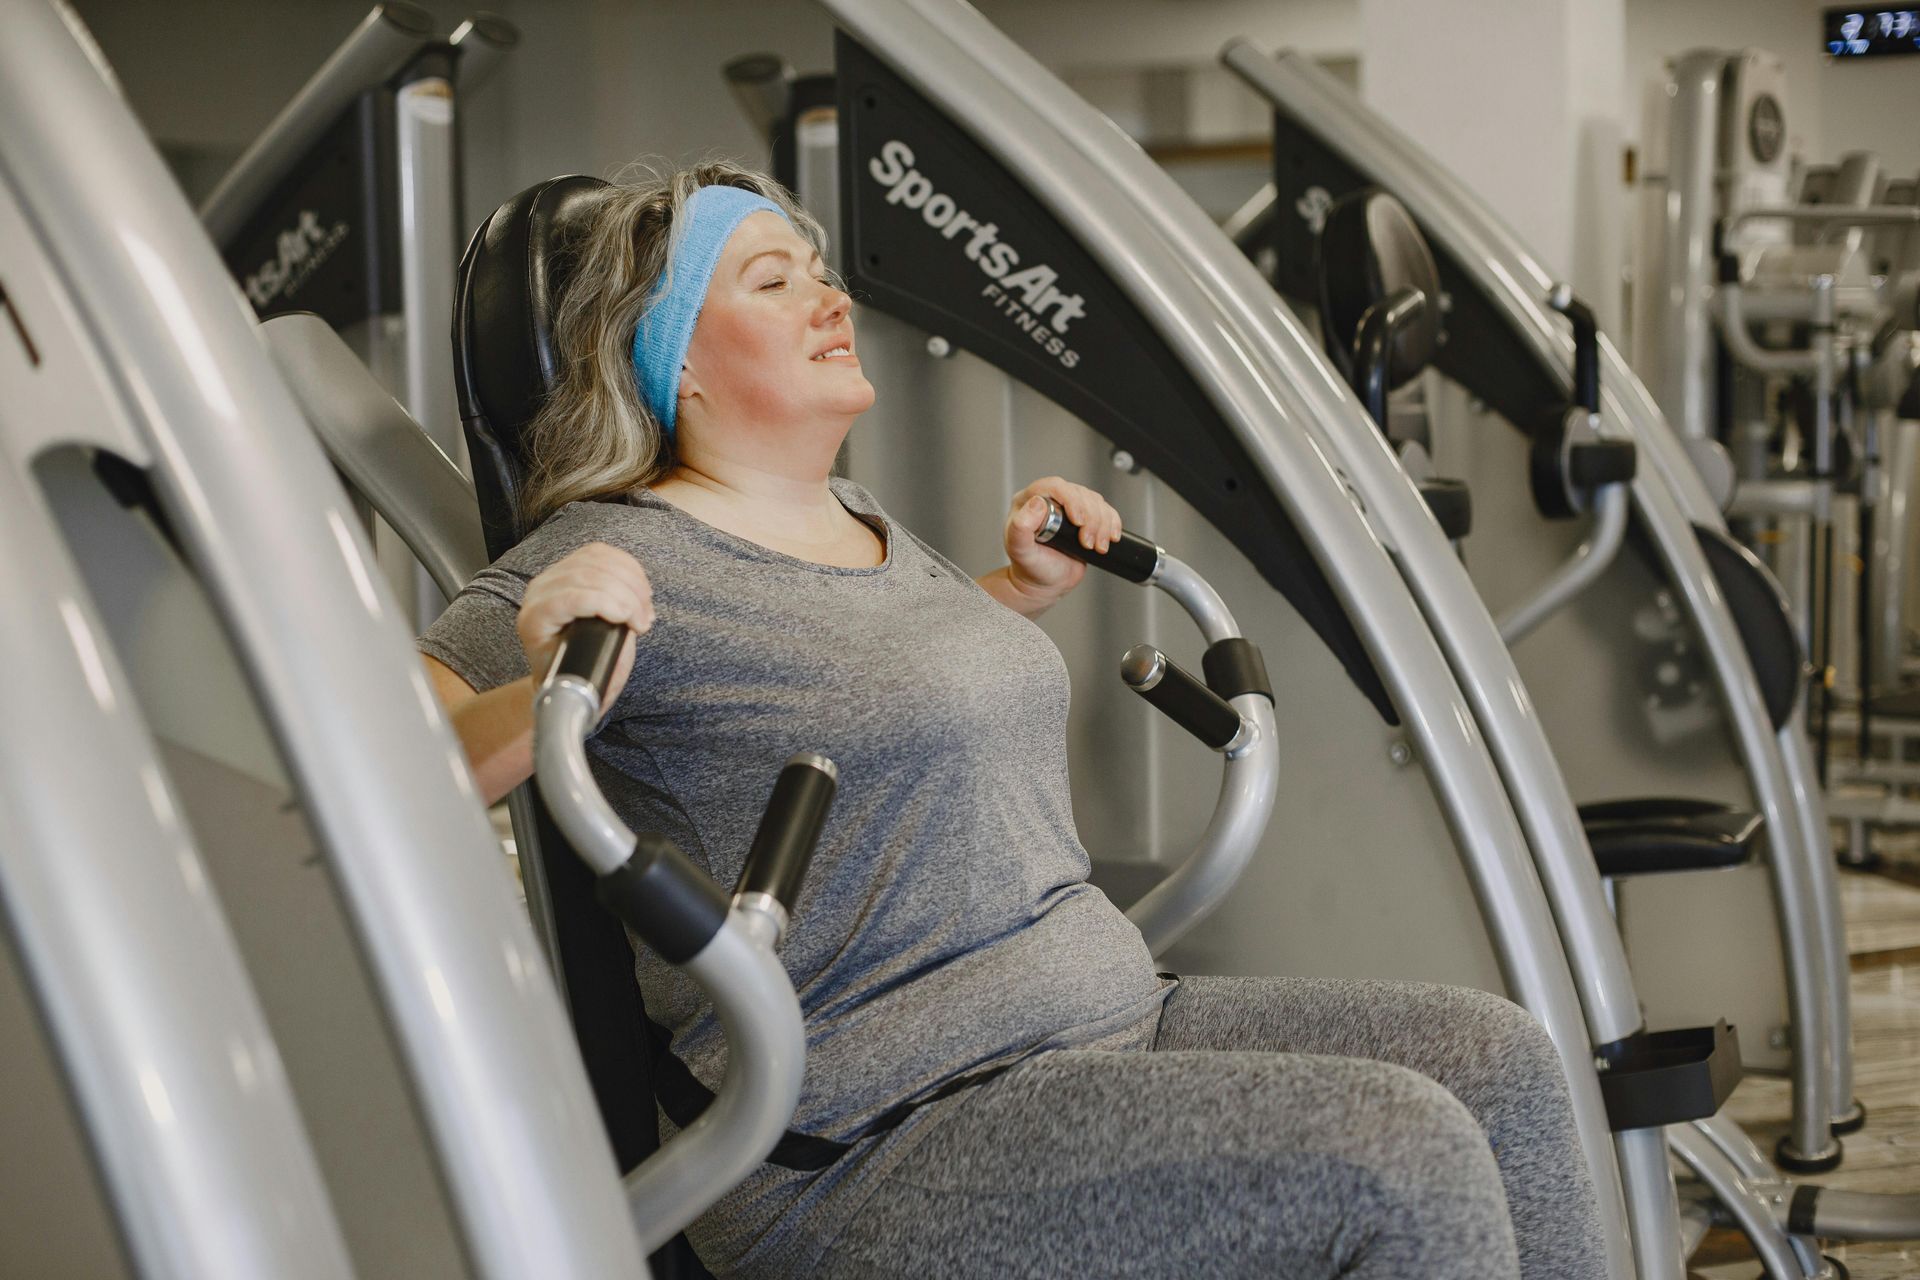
1020, 1092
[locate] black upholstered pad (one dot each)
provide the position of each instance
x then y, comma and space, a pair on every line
1648, 836
508, 292
1765, 623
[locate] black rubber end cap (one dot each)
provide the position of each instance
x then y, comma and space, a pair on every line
1853, 1122
1788, 1160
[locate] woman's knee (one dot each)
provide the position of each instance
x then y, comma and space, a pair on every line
1503, 1039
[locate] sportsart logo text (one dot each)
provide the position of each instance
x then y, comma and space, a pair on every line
1030, 297
298, 253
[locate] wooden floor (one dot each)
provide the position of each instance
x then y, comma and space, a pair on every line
1883, 933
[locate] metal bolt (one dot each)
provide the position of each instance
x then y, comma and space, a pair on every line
938, 347
1123, 461
1400, 753
1779, 1039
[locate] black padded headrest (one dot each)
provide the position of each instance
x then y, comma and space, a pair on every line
508, 291
1370, 250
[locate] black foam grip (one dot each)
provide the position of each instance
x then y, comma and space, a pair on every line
671, 904
1234, 666
1452, 505
1603, 462
1128, 556
1191, 705
789, 831
589, 648
1803, 1210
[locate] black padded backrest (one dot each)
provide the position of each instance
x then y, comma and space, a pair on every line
1761, 613
1370, 250
508, 291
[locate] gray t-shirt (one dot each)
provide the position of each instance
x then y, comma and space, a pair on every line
946, 923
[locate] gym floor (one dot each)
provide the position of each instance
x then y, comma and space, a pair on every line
1883, 934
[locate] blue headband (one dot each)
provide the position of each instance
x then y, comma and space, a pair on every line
707, 221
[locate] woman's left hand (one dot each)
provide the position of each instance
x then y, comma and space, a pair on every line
1036, 570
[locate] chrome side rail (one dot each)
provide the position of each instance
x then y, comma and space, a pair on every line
1090, 177
269, 532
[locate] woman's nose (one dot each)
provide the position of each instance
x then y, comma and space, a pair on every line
834, 305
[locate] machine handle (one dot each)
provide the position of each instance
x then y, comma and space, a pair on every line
790, 829
589, 649
1129, 556
668, 901
1586, 346
1186, 701
1601, 462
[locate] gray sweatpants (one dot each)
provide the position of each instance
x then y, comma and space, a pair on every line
1277, 1127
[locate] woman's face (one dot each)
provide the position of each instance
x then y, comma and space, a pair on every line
773, 348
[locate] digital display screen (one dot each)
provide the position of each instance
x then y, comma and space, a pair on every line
1872, 33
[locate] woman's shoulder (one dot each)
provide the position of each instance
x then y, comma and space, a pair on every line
855, 498
637, 527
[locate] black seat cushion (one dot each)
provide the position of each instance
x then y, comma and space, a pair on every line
1370, 250
1663, 833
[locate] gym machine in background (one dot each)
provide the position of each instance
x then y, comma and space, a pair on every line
1515, 357
348, 205
1775, 319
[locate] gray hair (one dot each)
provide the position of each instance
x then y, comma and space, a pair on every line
593, 436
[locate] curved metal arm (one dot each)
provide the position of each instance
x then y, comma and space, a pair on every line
385, 40
1249, 785
1588, 561
1733, 328
766, 1056
751, 993
1870, 215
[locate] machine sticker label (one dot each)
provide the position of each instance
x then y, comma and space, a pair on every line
1313, 206
300, 251
1030, 297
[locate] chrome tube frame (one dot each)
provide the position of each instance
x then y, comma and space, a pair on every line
1588, 561
386, 39
1685, 379
1669, 498
138, 981
483, 41
1249, 786
389, 461
1057, 146
1733, 329
384, 455
274, 541
751, 992
1758, 1207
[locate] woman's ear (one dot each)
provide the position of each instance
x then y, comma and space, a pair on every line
689, 385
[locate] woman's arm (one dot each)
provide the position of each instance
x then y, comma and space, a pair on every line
1036, 576
495, 728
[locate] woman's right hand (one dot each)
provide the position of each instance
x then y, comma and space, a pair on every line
596, 581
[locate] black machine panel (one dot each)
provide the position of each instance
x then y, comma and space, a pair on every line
937, 233
1481, 352
322, 241
326, 239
